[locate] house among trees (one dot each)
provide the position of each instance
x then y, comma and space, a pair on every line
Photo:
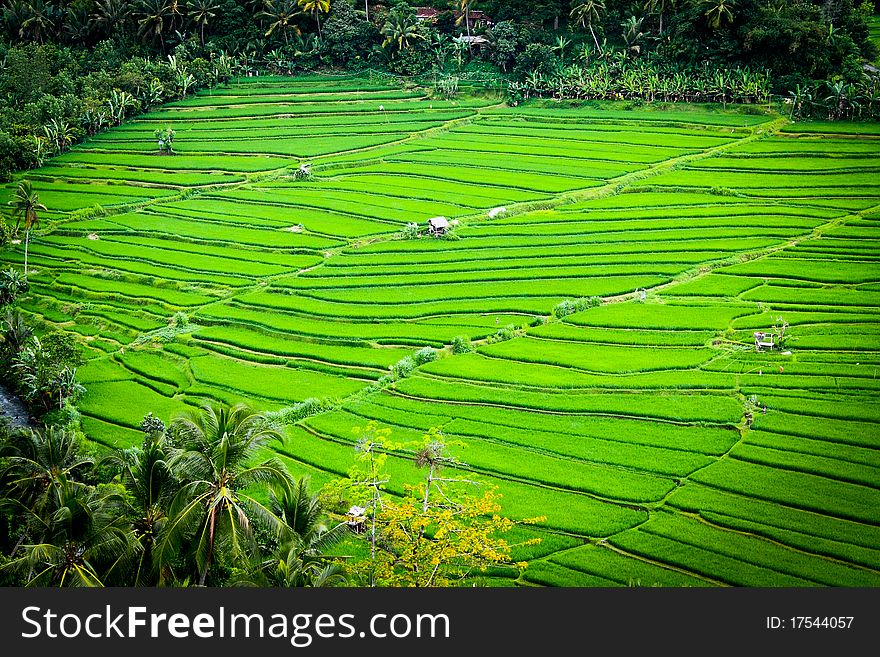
476, 19
438, 226
427, 14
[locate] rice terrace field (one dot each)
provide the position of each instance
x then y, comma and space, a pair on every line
662, 448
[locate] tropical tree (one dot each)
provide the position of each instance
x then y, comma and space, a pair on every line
200, 13
214, 464
401, 28
84, 541
300, 559
118, 105
15, 334
439, 532
41, 20
77, 23
659, 7
464, 6
633, 35
12, 283
46, 370
316, 8
151, 485
585, 13
154, 19
25, 204
112, 16
281, 15
37, 463
60, 134
718, 11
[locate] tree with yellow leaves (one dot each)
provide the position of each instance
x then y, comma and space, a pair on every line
441, 530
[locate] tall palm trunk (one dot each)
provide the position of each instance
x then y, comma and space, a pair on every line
467, 19
27, 238
367, 8
595, 40
318, 18
204, 574
661, 23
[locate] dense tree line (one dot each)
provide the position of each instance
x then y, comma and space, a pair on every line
70, 68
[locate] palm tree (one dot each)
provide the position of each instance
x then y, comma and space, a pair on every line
585, 13
25, 204
112, 16
718, 11
214, 465
147, 476
38, 463
77, 24
281, 14
659, 7
154, 18
85, 539
401, 27
200, 12
315, 7
464, 6
300, 559
40, 21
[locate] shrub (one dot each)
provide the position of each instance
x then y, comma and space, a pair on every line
446, 88
403, 368
571, 306
300, 410
425, 355
461, 344
409, 232
506, 333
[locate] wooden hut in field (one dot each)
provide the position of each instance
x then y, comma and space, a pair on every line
765, 340
438, 226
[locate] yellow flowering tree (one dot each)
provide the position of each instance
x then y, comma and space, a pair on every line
442, 530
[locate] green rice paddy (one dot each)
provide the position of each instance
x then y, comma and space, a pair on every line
659, 445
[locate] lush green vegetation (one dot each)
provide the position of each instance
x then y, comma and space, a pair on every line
71, 69
587, 351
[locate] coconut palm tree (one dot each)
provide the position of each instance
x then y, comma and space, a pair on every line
316, 7
112, 16
464, 6
77, 24
300, 559
41, 20
214, 464
151, 485
200, 13
281, 15
585, 13
85, 539
719, 11
401, 28
154, 19
659, 7
37, 463
25, 204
